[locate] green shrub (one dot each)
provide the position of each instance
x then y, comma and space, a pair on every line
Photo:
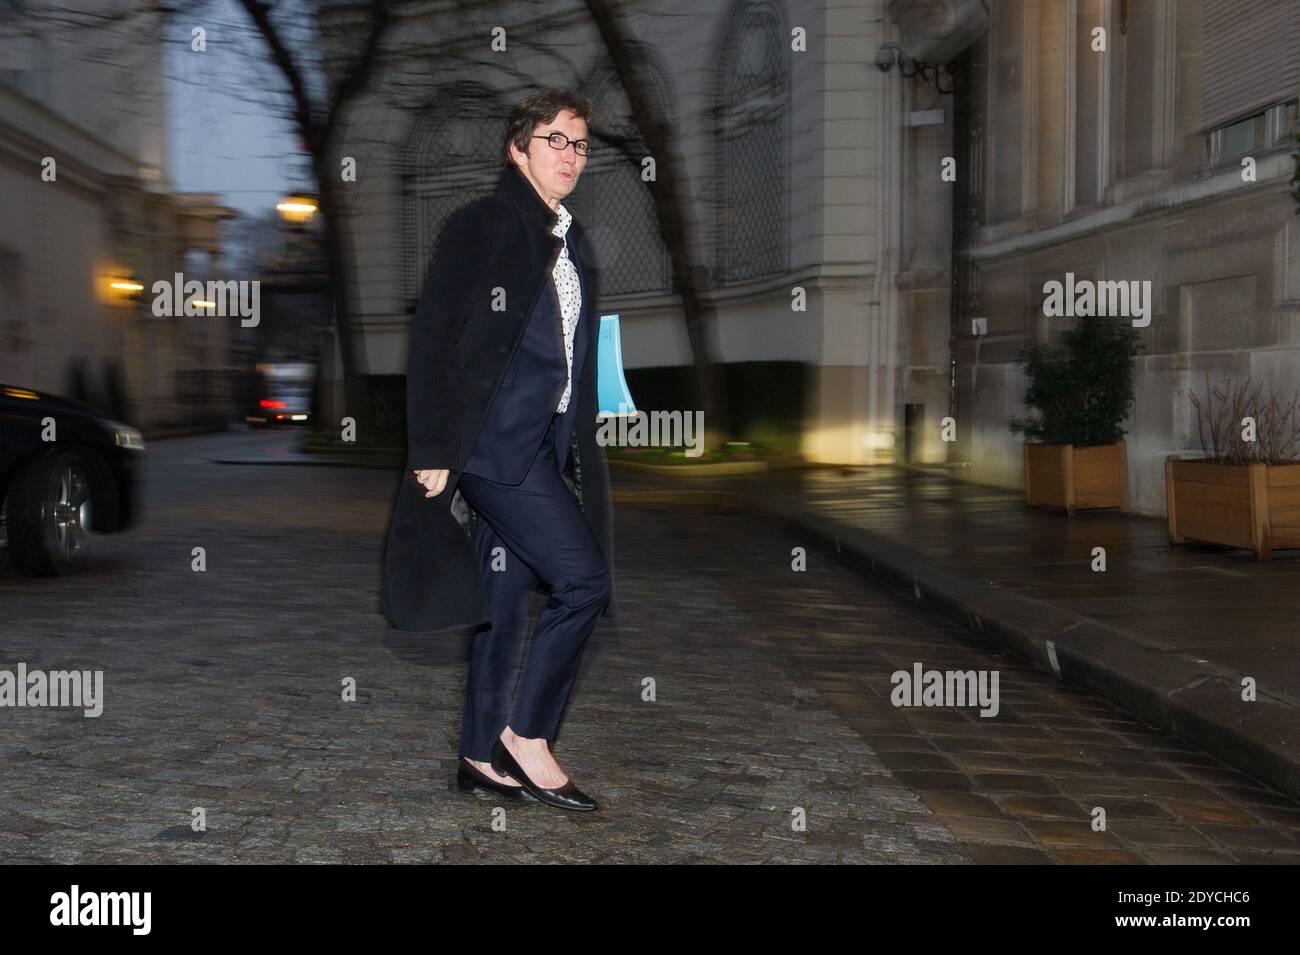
1083, 391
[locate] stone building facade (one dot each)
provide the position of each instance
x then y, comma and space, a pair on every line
86, 102
1132, 162
790, 140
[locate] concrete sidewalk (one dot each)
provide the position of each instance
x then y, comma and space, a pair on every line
1167, 632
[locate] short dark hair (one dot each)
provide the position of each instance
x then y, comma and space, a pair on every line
542, 107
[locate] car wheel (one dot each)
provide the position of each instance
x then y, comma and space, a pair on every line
49, 514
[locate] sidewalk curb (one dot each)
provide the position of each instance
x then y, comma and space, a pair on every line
721, 469
181, 433
322, 462
1198, 702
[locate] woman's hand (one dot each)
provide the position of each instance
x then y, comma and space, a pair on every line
433, 481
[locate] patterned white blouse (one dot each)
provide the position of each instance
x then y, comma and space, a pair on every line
570, 292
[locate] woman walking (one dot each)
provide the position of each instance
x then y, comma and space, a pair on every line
501, 399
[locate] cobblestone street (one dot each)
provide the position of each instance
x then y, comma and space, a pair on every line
223, 691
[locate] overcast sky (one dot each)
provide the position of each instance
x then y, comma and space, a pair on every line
221, 141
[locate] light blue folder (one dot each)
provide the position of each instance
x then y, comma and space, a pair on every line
612, 393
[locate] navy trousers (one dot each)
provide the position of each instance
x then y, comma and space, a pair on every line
544, 537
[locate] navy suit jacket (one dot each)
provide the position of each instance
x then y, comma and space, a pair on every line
530, 391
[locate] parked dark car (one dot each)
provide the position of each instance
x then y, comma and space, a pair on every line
65, 470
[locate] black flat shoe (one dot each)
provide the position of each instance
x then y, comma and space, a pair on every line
469, 778
567, 796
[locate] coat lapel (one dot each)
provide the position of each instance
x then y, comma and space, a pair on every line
586, 311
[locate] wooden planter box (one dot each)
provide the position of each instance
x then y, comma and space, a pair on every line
1255, 506
1061, 475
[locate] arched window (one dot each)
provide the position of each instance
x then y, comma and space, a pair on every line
452, 155
611, 201
752, 143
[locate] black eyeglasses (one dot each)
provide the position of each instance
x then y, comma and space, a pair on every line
561, 141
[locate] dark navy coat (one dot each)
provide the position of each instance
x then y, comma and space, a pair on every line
497, 248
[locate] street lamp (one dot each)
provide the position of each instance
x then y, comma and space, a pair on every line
297, 209
119, 286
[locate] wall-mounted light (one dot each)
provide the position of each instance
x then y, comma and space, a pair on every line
298, 208
879, 440
118, 286
887, 57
